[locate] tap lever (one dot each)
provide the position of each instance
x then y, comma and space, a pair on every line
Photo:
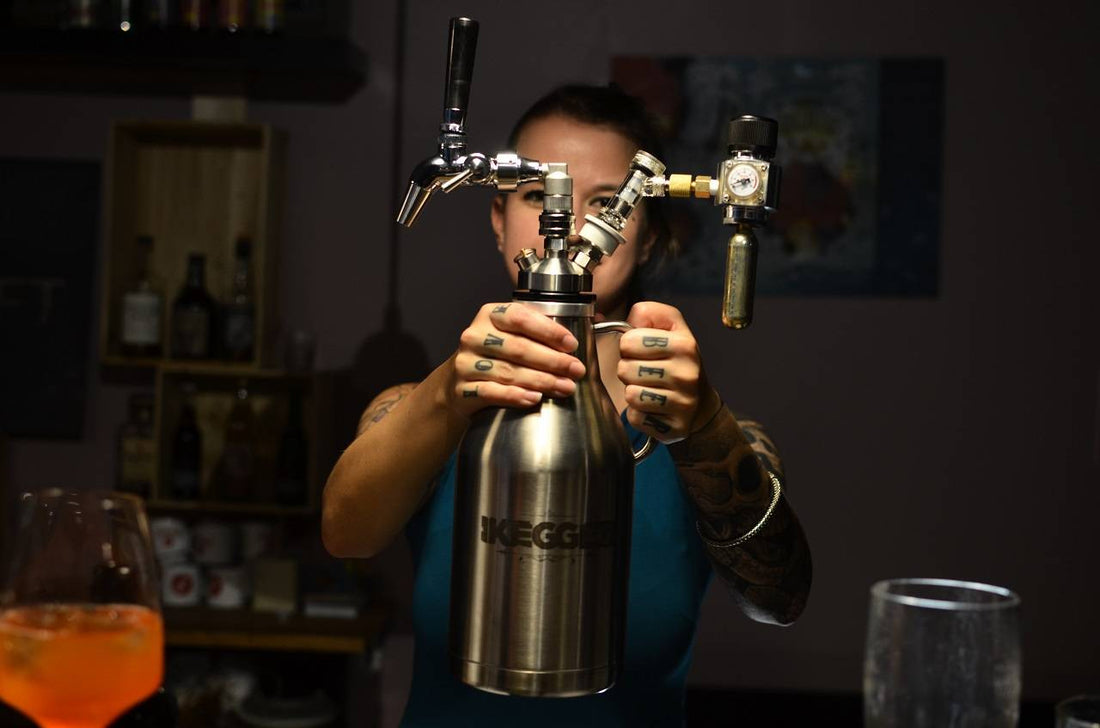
460, 73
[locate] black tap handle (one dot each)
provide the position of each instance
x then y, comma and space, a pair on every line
460, 70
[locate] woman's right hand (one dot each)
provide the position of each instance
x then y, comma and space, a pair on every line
510, 356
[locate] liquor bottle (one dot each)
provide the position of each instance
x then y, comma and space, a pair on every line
239, 314
160, 14
124, 15
293, 469
185, 471
137, 449
270, 15
233, 14
235, 475
197, 14
193, 314
141, 308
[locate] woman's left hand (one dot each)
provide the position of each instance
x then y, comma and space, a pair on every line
667, 392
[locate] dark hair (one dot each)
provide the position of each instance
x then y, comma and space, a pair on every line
611, 107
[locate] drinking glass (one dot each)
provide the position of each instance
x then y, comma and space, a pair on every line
1082, 711
81, 635
941, 653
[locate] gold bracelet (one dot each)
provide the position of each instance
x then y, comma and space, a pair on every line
777, 491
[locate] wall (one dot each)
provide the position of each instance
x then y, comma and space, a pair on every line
954, 436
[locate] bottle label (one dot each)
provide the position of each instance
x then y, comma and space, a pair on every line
138, 464
239, 333
191, 334
141, 318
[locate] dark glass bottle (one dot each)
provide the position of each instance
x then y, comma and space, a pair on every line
137, 449
239, 313
141, 308
193, 314
185, 471
235, 476
291, 479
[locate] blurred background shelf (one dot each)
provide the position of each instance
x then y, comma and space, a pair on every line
227, 508
247, 630
178, 62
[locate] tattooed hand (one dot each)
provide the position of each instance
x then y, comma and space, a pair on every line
667, 393
511, 356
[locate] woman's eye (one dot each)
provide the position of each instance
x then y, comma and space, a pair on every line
533, 197
599, 202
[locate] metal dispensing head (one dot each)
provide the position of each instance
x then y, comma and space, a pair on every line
746, 186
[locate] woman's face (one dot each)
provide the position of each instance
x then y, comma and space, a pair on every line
598, 159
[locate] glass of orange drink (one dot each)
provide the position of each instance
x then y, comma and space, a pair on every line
81, 635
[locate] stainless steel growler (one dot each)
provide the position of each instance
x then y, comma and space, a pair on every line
542, 537
543, 500
544, 495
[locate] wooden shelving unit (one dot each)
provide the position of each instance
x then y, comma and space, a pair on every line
195, 187
228, 509
179, 62
247, 630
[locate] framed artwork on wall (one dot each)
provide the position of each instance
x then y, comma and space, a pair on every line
861, 147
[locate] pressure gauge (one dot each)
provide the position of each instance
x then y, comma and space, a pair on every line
743, 180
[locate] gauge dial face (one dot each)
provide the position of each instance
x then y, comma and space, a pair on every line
743, 180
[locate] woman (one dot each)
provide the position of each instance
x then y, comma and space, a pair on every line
709, 484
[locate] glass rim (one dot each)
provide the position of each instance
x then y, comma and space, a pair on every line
53, 491
1066, 707
1008, 598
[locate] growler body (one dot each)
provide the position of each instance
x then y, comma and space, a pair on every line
543, 508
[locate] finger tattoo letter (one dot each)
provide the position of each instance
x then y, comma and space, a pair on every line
658, 372
469, 392
503, 308
647, 396
657, 424
651, 342
483, 365
492, 340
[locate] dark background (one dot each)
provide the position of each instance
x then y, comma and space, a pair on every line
953, 436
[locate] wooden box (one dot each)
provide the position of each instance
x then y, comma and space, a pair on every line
213, 392
194, 187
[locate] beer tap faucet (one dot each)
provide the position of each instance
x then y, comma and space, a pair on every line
452, 167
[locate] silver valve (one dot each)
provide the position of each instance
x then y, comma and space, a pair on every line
602, 233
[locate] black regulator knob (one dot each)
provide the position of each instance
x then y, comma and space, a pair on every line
756, 135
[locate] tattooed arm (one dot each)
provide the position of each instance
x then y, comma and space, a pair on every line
404, 437
725, 467
508, 356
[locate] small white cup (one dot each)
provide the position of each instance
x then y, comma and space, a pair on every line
182, 585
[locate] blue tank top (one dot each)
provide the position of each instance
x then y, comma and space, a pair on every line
669, 573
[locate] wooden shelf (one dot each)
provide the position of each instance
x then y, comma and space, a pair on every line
247, 630
200, 367
273, 67
194, 187
227, 508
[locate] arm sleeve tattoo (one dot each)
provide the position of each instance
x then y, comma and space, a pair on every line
381, 406
377, 410
725, 470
